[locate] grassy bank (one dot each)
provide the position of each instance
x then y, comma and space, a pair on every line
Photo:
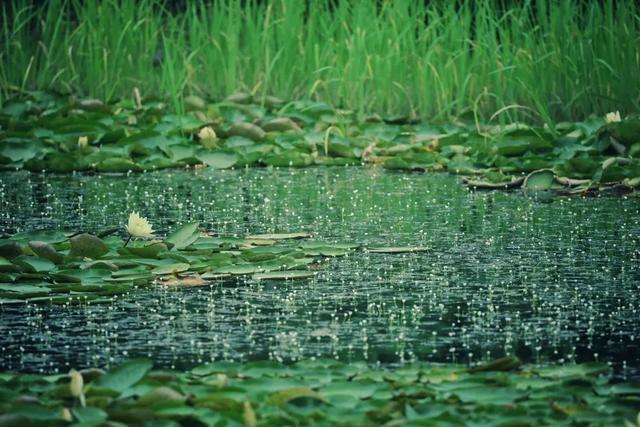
539, 61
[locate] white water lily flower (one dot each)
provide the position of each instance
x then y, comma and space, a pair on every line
83, 141
65, 414
139, 226
77, 385
207, 133
613, 117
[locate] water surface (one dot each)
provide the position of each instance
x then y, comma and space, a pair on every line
508, 273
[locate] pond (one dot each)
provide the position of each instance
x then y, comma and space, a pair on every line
506, 273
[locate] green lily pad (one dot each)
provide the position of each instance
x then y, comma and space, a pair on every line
483, 394
10, 250
217, 160
246, 130
171, 269
359, 390
290, 395
90, 416
87, 245
263, 253
240, 269
281, 124
572, 371
398, 249
286, 159
115, 164
539, 180
7, 266
34, 264
45, 250
23, 291
280, 236
19, 151
283, 275
183, 236
148, 251
124, 376
515, 146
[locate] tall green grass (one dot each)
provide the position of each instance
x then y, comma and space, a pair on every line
541, 60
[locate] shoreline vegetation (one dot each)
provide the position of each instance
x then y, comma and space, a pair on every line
44, 132
536, 61
541, 95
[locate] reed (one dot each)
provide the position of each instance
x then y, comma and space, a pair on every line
539, 60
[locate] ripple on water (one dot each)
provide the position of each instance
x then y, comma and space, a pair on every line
506, 273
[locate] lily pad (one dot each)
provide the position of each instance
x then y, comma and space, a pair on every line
45, 250
398, 249
171, 269
24, 291
118, 165
183, 236
280, 236
572, 371
87, 245
283, 275
10, 250
124, 376
217, 160
34, 264
290, 395
148, 251
539, 180
246, 130
90, 416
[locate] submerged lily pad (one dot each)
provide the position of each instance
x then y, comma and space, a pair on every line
283, 275
280, 236
398, 249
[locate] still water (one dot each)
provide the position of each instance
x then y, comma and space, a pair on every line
546, 279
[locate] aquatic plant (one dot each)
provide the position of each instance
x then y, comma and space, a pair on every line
48, 133
541, 61
325, 393
139, 227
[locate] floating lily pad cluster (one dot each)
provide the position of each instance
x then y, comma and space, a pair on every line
322, 392
54, 134
58, 267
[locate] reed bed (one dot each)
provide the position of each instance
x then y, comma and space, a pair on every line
540, 61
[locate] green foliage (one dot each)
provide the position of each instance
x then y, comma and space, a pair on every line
538, 61
85, 268
63, 135
323, 392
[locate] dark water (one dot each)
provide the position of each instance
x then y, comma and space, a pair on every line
509, 273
